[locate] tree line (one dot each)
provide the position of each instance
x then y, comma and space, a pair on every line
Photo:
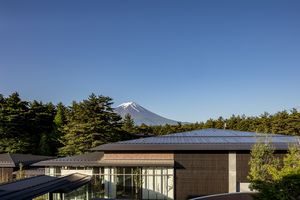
283, 122
48, 129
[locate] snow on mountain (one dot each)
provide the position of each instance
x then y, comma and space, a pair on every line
142, 115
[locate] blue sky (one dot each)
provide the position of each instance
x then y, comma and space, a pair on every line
186, 60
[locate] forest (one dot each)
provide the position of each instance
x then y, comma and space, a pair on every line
47, 129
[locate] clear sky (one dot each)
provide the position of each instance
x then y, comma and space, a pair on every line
185, 60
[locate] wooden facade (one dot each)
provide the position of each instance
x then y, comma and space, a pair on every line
242, 166
205, 173
6, 174
200, 174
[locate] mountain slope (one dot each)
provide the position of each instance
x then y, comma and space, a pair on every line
142, 115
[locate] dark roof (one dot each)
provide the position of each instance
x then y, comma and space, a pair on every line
205, 139
88, 159
36, 186
13, 160
97, 159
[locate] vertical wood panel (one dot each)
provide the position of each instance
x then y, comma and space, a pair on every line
199, 174
6, 174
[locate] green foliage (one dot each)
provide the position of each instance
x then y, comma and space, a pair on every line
128, 124
24, 126
39, 128
14, 124
287, 123
60, 117
90, 123
272, 179
15, 145
59, 121
44, 145
262, 158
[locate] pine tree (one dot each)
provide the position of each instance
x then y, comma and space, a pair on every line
59, 121
90, 123
14, 124
42, 128
128, 123
60, 116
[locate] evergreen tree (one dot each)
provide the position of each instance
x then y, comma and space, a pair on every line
35, 127
90, 123
271, 179
220, 123
59, 121
42, 128
128, 123
23, 123
60, 116
45, 145
14, 124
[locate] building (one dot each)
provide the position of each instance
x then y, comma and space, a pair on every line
42, 186
10, 165
175, 166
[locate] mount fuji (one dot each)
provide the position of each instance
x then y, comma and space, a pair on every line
141, 115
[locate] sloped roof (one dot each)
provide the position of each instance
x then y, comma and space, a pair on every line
87, 159
205, 139
35, 186
13, 160
99, 159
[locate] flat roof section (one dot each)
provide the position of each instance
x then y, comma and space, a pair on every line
36, 186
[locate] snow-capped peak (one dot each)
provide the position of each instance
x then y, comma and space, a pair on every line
126, 104
130, 104
141, 115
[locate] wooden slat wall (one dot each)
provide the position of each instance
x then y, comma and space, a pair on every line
242, 166
6, 174
199, 174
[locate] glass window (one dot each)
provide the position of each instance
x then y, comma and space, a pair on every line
128, 170
96, 170
132, 183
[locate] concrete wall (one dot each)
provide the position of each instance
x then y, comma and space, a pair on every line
232, 172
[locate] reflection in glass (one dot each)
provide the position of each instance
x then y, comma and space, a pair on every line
125, 183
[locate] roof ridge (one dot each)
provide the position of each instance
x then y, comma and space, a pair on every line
10, 158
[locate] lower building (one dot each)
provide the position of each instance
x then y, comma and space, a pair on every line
14, 166
42, 187
175, 166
